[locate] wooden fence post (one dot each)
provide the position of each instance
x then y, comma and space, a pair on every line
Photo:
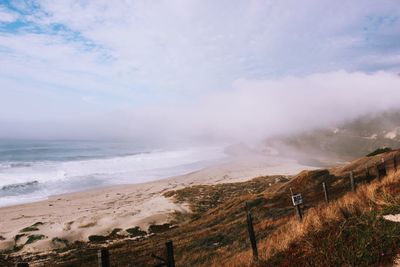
252, 235
352, 185
325, 192
103, 257
297, 206
378, 175
170, 254
382, 169
169, 261
367, 176
22, 264
394, 163
299, 213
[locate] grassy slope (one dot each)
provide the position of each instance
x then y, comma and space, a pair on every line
348, 232
359, 240
215, 233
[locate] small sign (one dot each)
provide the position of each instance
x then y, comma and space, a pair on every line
297, 199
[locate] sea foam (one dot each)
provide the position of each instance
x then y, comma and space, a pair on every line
34, 180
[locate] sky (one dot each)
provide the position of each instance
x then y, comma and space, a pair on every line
76, 69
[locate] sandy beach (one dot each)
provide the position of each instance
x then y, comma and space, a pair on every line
76, 216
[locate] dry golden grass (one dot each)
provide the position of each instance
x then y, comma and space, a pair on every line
368, 197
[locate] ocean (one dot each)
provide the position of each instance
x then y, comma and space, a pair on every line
33, 170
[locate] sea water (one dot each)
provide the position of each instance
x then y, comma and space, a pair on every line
33, 170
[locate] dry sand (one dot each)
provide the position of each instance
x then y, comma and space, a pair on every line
76, 216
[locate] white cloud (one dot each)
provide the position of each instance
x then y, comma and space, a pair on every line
203, 45
381, 60
170, 65
7, 16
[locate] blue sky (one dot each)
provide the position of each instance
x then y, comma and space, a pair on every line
85, 64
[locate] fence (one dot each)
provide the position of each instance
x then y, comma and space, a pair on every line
380, 170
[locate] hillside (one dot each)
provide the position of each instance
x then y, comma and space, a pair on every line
345, 141
215, 233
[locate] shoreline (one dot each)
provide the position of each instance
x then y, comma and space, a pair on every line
76, 216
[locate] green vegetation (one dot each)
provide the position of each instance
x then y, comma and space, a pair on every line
33, 227
115, 232
159, 228
205, 197
17, 237
18, 247
34, 238
97, 238
136, 231
379, 151
29, 229
57, 240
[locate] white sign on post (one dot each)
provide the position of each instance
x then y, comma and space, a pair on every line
297, 199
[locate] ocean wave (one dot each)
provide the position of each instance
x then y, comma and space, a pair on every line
8, 165
19, 188
44, 178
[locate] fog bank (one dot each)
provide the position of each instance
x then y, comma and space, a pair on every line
250, 110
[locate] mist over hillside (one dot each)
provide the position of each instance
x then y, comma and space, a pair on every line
345, 141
